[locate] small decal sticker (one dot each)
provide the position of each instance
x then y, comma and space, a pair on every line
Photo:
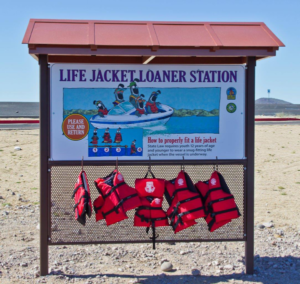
231, 108
180, 181
149, 186
213, 181
75, 127
231, 93
120, 177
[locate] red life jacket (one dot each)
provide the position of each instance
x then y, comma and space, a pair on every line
152, 106
186, 204
176, 222
132, 149
106, 138
103, 111
118, 138
82, 198
141, 111
150, 214
219, 201
95, 140
150, 187
115, 199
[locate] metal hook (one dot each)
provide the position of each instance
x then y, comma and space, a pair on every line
117, 164
149, 167
182, 166
82, 164
217, 168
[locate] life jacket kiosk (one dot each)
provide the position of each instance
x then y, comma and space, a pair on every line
144, 43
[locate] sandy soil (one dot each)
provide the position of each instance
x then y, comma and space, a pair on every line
277, 260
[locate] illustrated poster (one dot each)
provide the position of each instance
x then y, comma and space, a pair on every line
167, 112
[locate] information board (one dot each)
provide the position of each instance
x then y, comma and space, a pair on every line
167, 112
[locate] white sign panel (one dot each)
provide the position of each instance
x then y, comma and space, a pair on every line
132, 112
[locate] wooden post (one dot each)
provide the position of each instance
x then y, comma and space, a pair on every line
44, 140
250, 132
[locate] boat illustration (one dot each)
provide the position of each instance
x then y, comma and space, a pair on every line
123, 115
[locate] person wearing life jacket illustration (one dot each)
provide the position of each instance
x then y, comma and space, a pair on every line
151, 105
119, 95
134, 92
102, 110
118, 136
133, 149
140, 106
106, 137
95, 137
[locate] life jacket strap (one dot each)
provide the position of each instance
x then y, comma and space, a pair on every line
76, 189
86, 196
223, 211
180, 221
150, 220
219, 200
211, 190
148, 208
175, 210
178, 190
96, 209
116, 208
113, 189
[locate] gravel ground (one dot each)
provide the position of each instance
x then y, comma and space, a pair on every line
277, 230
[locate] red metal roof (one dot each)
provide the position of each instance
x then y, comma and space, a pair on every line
150, 34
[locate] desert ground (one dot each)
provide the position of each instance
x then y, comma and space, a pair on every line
277, 227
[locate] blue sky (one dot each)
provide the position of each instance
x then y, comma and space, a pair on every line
19, 80
199, 98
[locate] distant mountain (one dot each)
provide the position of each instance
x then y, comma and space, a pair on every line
271, 101
177, 112
81, 111
195, 112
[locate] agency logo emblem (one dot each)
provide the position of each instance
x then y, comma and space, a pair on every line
180, 181
231, 93
231, 108
213, 181
149, 186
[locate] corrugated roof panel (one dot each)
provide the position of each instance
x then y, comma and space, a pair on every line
243, 35
183, 35
132, 34
122, 34
59, 33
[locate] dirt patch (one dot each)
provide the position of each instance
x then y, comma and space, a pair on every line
277, 256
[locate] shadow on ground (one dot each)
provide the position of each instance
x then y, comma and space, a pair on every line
267, 270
